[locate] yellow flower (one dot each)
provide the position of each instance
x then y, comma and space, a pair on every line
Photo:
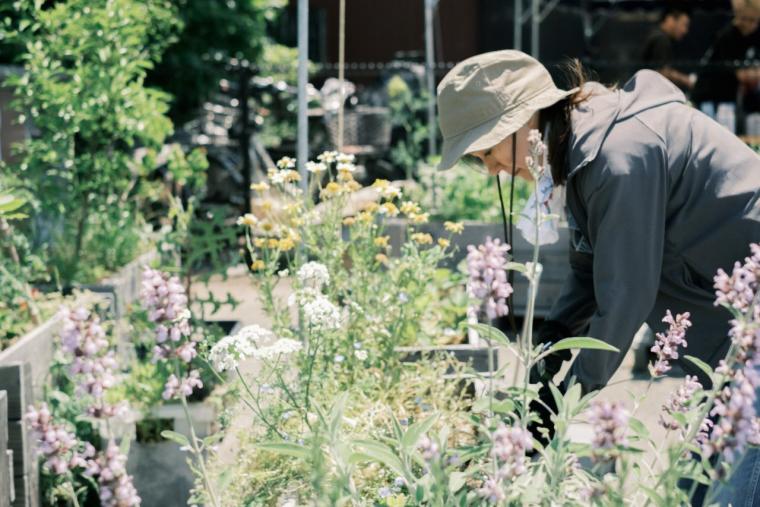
344, 175
286, 244
349, 221
296, 221
291, 175
266, 206
381, 184
419, 218
258, 265
371, 207
293, 207
247, 219
352, 186
454, 227
365, 217
331, 190
267, 227
260, 187
259, 242
382, 241
422, 238
273, 243
388, 208
409, 207
444, 242
381, 258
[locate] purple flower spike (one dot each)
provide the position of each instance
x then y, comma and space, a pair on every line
666, 345
487, 281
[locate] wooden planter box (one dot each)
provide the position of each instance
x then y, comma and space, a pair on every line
554, 257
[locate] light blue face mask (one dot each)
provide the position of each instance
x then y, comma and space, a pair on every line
545, 198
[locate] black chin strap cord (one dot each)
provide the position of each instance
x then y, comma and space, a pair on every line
507, 224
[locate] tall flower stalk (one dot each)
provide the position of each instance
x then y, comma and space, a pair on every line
164, 298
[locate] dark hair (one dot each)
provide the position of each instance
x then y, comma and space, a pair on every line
557, 118
676, 12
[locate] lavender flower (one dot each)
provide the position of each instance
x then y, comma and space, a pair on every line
609, 420
738, 291
491, 491
510, 443
115, 486
666, 345
487, 281
737, 424
678, 402
92, 362
163, 296
175, 387
536, 160
55, 444
428, 449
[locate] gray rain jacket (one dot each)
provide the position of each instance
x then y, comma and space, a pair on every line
661, 196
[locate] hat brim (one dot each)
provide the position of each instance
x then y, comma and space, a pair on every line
492, 132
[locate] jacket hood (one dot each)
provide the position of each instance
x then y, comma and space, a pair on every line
593, 119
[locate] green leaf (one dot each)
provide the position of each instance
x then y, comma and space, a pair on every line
175, 437
381, 453
700, 364
9, 203
336, 414
490, 333
416, 431
285, 448
638, 427
516, 266
582, 342
658, 500
456, 481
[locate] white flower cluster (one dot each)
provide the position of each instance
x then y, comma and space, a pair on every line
251, 341
321, 315
314, 275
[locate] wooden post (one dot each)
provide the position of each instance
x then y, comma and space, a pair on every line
6, 468
16, 380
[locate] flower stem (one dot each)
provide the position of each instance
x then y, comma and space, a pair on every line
198, 454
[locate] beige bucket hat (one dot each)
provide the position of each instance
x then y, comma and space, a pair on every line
487, 97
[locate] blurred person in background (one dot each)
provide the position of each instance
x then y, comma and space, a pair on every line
658, 52
739, 41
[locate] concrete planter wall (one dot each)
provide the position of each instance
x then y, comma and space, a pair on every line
24, 369
554, 257
159, 469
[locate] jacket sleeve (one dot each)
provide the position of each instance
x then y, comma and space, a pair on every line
625, 193
576, 302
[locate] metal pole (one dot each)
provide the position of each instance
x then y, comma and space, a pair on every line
302, 149
341, 70
430, 75
535, 19
518, 25
245, 134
